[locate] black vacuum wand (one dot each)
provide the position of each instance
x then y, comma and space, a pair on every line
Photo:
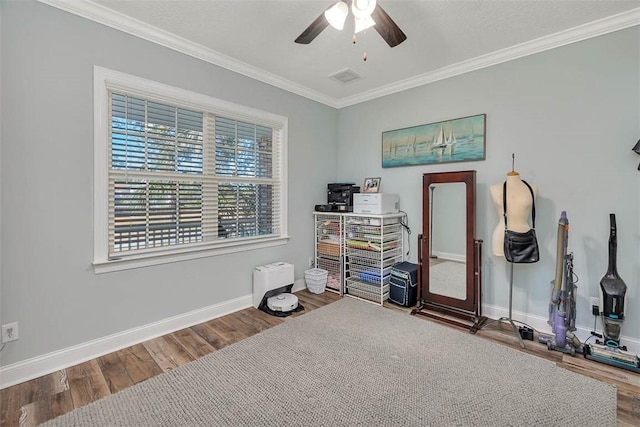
613, 292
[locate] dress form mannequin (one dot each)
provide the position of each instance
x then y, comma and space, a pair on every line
519, 203
519, 207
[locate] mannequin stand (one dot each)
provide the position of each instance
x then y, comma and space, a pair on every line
509, 319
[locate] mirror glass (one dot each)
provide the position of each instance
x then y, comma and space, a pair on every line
447, 248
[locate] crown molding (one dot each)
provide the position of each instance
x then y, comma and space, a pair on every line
118, 21
600, 27
135, 27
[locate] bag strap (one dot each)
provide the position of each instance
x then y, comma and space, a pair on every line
533, 203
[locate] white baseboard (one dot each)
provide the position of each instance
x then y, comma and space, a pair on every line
42, 365
450, 257
299, 285
540, 324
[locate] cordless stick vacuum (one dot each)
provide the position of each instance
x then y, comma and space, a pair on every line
613, 304
562, 308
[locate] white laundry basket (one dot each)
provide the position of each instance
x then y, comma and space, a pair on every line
316, 279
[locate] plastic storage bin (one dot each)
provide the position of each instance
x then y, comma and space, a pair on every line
316, 280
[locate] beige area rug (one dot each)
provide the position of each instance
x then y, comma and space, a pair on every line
449, 279
352, 363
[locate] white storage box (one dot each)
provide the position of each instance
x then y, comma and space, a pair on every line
375, 203
269, 277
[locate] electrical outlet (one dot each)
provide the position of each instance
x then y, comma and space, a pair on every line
595, 305
311, 262
10, 332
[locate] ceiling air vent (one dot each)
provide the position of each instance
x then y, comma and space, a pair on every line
345, 76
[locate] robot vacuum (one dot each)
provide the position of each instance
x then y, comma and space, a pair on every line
283, 302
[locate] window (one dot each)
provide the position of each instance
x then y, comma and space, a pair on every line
180, 175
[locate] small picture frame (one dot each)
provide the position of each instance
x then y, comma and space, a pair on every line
371, 185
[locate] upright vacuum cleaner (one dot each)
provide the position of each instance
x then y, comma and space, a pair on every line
613, 289
562, 308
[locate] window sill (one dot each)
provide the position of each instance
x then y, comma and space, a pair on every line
108, 266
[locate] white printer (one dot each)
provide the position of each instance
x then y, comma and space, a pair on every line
375, 203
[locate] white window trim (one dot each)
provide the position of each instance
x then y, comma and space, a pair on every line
103, 79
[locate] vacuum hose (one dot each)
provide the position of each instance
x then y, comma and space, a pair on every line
563, 224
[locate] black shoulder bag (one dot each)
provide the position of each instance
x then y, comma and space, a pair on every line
520, 248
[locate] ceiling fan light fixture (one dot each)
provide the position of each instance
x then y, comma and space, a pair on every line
362, 8
337, 14
369, 10
364, 23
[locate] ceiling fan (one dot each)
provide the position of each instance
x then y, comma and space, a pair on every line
367, 13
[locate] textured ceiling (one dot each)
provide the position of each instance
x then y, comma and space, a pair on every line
443, 37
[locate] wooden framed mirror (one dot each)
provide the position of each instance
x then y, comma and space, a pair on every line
448, 253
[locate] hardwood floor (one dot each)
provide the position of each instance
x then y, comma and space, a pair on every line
44, 398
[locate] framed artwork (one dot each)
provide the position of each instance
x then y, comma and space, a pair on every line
371, 185
456, 140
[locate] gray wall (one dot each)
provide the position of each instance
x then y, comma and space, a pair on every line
571, 116
48, 284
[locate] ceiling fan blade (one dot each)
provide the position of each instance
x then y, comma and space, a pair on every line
312, 31
388, 29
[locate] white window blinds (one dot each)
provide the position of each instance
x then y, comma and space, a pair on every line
245, 165
181, 177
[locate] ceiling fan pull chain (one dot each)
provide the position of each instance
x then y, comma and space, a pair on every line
364, 44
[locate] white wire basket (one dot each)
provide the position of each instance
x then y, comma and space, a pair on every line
316, 280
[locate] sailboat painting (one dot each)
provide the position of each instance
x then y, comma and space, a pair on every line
457, 140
